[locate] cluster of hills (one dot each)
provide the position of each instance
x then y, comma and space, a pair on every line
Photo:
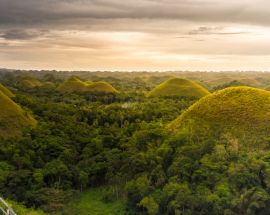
28, 82
14, 119
233, 113
237, 114
70, 85
74, 84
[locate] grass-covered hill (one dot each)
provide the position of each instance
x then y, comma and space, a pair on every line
101, 86
178, 87
28, 82
6, 91
74, 84
239, 116
13, 119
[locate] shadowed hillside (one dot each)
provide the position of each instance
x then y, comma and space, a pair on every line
179, 88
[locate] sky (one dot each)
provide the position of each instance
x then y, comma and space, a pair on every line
135, 35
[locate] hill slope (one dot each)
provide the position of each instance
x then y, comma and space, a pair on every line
6, 91
180, 88
28, 82
238, 115
13, 119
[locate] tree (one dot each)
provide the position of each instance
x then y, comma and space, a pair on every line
150, 204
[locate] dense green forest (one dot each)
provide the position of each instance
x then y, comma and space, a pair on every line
121, 151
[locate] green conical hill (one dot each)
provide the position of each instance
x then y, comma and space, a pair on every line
237, 115
178, 87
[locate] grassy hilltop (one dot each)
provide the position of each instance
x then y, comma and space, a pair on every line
13, 119
74, 84
178, 87
237, 115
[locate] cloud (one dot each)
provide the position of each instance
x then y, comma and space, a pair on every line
204, 30
18, 34
142, 33
42, 12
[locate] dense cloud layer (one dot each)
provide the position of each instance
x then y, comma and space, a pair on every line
165, 34
32, 12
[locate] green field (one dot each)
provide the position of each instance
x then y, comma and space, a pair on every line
92, 202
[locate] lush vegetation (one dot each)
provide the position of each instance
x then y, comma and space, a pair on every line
177, 87
103, 153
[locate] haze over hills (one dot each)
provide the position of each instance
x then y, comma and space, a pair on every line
179, 87
239, 115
